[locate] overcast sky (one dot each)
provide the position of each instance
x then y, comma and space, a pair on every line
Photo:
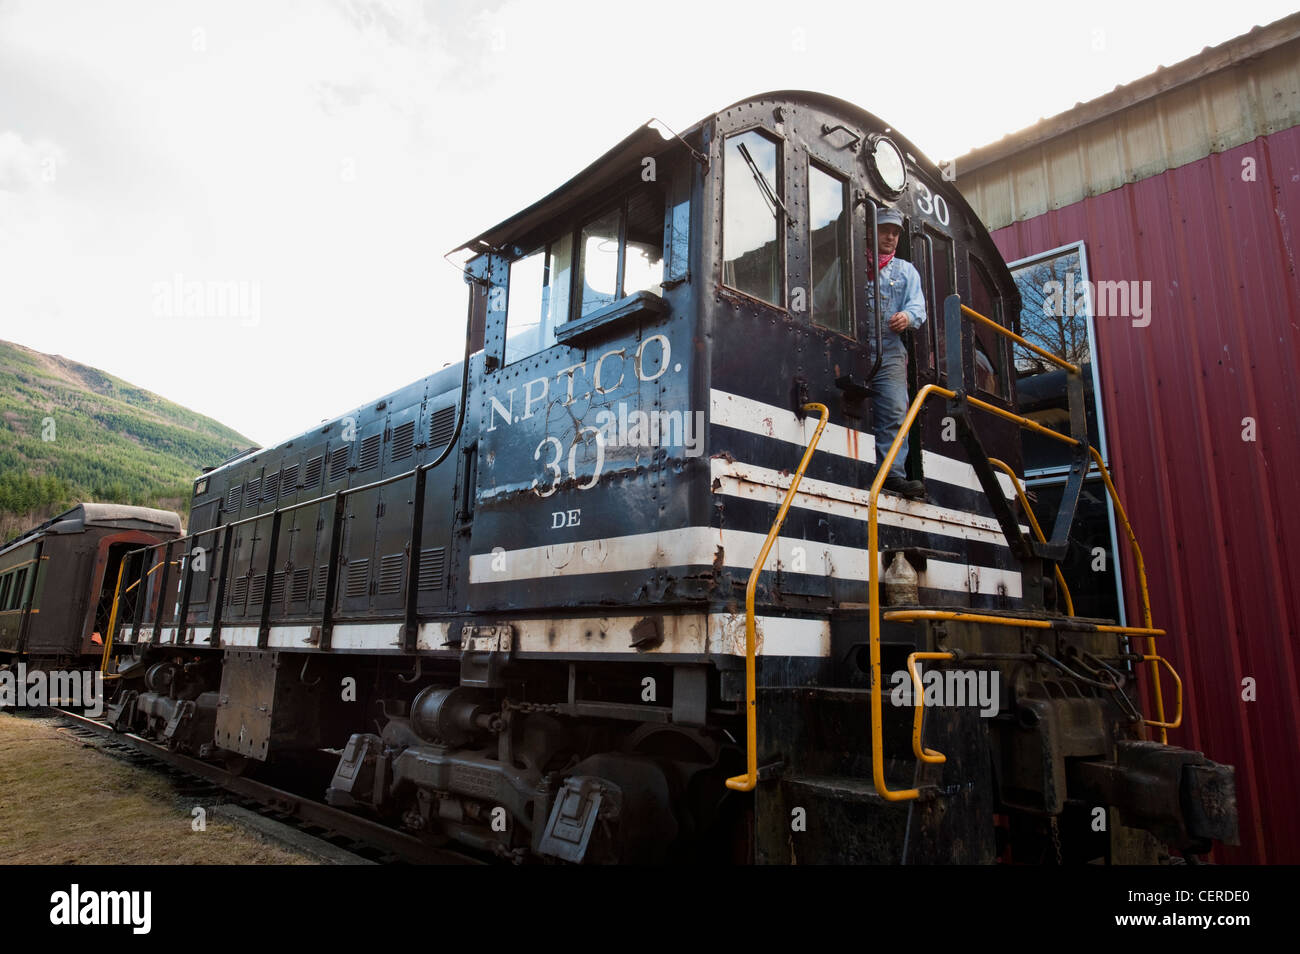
323, 156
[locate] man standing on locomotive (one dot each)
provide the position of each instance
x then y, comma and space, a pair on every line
903, 302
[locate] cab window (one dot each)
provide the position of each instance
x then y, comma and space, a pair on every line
538, 299
828, 241
751, 251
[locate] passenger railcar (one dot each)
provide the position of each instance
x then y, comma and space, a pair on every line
58, 580
528, 600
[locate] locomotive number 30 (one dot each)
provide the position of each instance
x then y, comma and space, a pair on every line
931, 204
544, 490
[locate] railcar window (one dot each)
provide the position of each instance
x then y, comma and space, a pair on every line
599, 248
16, 594
990, 368
5, 583
751, 251
829, 242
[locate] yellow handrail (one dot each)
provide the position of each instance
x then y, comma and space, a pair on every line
1059, 362
873, 591
873, 582
157, 566
1038, 531
1146, 597
918, 702
957, 616
1155, 661
112, 624
747, 782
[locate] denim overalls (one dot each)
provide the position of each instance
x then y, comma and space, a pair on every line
900, 290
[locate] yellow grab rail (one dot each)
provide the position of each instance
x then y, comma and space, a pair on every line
118, 593
957, 616
873, 591
1038, 531
918, 702
747, 782
149, 573
1146, 597
1156, 661
873, 576
112, 623
989, 322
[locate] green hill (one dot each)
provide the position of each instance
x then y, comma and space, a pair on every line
69, 432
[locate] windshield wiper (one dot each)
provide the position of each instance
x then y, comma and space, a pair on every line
769, 195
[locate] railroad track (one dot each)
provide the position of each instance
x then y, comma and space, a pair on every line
192, 778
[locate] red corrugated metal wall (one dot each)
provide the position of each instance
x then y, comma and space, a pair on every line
1217, 516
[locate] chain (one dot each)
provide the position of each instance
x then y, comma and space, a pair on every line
531, 707
1056, 841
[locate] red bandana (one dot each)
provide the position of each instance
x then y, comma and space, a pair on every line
884, 260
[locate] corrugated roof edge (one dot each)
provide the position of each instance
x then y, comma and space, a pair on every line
1212, 59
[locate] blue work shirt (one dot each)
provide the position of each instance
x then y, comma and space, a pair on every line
900, 290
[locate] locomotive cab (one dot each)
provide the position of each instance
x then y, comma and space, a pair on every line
651, 332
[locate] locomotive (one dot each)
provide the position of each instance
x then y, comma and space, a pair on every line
623, 585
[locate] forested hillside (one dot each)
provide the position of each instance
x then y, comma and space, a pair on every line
70, 433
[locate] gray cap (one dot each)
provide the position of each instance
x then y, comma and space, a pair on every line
889, 217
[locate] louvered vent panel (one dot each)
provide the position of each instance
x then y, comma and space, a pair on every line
369, 452
358, 578
250, 491
441, 426
301, 577
232, 498
338, 462
239, 592
322, 577
403, 440
271, 486
289, 478
392, 568
311, 479
277, 589
257, 590
433, 564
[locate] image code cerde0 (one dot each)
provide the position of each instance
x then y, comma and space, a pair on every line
1205, 894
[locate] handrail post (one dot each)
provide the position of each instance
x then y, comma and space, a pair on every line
156, 636
411, 630
264, 622
331, 577
187, 561
140, 589
214, 638
112, 621
748, 781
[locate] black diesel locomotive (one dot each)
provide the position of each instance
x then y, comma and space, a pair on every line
620, 586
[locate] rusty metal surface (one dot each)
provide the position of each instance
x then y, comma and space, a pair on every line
1211, 510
